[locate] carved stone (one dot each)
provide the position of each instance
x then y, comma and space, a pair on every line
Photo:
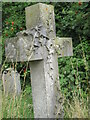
39, 45
11, 82
63, 47
27, 46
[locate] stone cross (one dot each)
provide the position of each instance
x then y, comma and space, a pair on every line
40, 46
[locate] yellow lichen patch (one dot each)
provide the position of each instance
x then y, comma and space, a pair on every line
30, 14
46, 9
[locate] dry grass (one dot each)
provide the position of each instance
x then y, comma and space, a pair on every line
77, 108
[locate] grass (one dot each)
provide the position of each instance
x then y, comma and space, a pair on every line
77, 108
22, 106
18, 107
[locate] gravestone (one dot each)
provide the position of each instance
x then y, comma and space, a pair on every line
11, 82
40, 46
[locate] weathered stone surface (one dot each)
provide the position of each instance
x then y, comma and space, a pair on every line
40, 14
39, 45
10, 48
27, 46
45, 87
63, 47
38, 89
11, 82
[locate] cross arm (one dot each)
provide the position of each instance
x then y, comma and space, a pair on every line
23, 47
63, 46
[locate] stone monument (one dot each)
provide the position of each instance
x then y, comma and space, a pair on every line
11, 82
40, 46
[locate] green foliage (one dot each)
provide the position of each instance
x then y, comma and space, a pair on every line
77, 108
72, 20
73, 76
20, 106
27, 90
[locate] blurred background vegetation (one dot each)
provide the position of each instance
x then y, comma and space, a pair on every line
72, 20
